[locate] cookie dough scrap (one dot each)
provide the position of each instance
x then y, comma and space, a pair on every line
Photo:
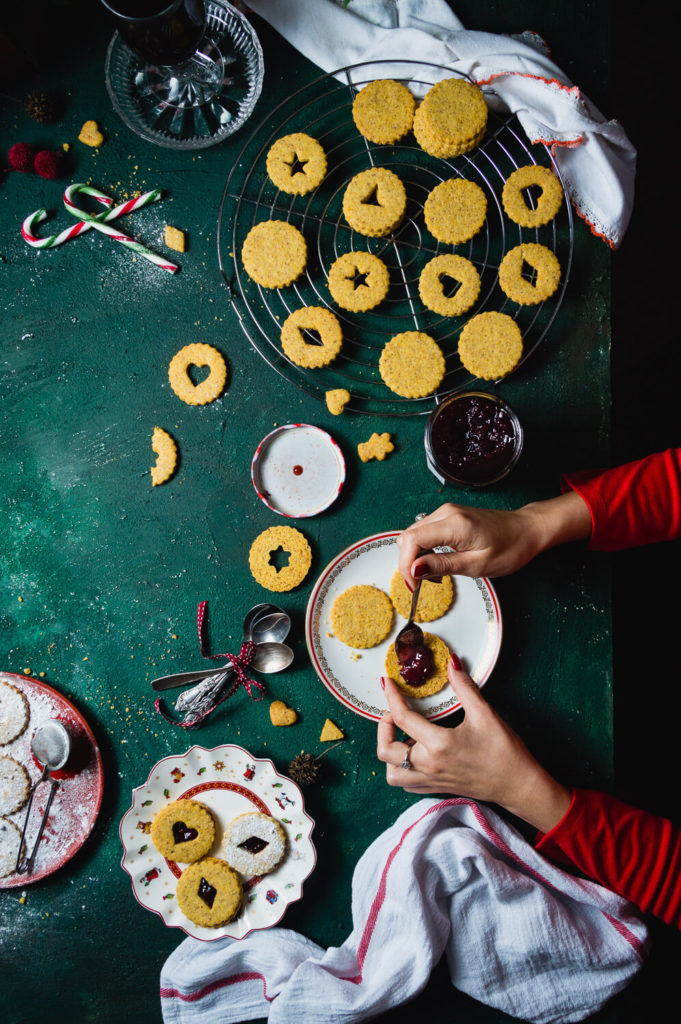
435, 682
296, 163
455, 210
336, 400
254, 844
209, 892
546, 205
362, 616
490, 345
451, 119
15, 785
434, 598
330, 731
383, 111
545, 271
197, 354
91, 135
163, 445
183, 831
302, 350
358, 281
14, 713
374, 202
175, 239
412, 364
377, 447
266, 545
432, 285
274, 253
281, 714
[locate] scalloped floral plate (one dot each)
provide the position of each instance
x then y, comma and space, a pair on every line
472, 627
229, 781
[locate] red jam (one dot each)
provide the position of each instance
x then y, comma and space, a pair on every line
416, 664
473, 439
297, 470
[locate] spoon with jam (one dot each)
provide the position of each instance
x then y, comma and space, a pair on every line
414, 657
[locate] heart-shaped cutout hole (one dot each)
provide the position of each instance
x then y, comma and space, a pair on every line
183, 833
197, 374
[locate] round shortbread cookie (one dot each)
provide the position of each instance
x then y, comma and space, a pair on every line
14, 713
358, 281
451, 119
434, 598
254, 844
435, 682
362, 616
543, 262
197, 354
10, 842
490, 345
374, 202
296, 163
383, 111
183, 830
455, 210
412, 364
548, 203
306, 353
15, 785
274, 253
266, 545
209, 892
432, 289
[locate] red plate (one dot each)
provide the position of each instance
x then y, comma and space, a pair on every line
79, 796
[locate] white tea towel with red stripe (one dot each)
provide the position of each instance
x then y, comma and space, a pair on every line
451, 877
596, 159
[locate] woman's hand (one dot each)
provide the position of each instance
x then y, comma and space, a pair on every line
489, 542
483, 758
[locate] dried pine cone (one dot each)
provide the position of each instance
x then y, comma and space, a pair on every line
304, 769
39, 106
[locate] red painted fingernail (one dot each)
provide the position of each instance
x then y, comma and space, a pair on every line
382, 682
456, 662
408, 586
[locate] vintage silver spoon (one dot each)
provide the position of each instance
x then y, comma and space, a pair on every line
267, 624
51, 746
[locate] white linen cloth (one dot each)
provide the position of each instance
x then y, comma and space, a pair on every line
450, 876
596, 159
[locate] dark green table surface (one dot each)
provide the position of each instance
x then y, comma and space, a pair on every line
101, 574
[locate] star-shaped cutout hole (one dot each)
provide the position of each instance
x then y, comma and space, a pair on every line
297, 165
358, 279
279, 558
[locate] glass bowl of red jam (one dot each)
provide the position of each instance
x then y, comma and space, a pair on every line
472, 439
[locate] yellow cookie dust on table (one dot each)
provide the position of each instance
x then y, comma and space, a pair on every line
266, 547
197, 354
312, 350
374, 202
412, 364
281, 714
434, 598
296, 163
90, 134
166, 451
331, 732
546, 273
274, 253
377, 447
362, 616
175, 239
455, 210
383, 111
490, 345
546, 206
432, 284
336, 400
435, 681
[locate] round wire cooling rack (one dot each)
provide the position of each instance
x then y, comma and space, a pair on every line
323, 109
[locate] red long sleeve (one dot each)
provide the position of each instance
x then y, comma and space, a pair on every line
638, 503
630, 851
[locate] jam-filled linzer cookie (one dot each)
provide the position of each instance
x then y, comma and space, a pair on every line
209, 892
254, 844
437, 678
183, 831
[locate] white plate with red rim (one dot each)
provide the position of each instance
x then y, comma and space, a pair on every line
472, 628
78, 797
229, 781
298, 470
